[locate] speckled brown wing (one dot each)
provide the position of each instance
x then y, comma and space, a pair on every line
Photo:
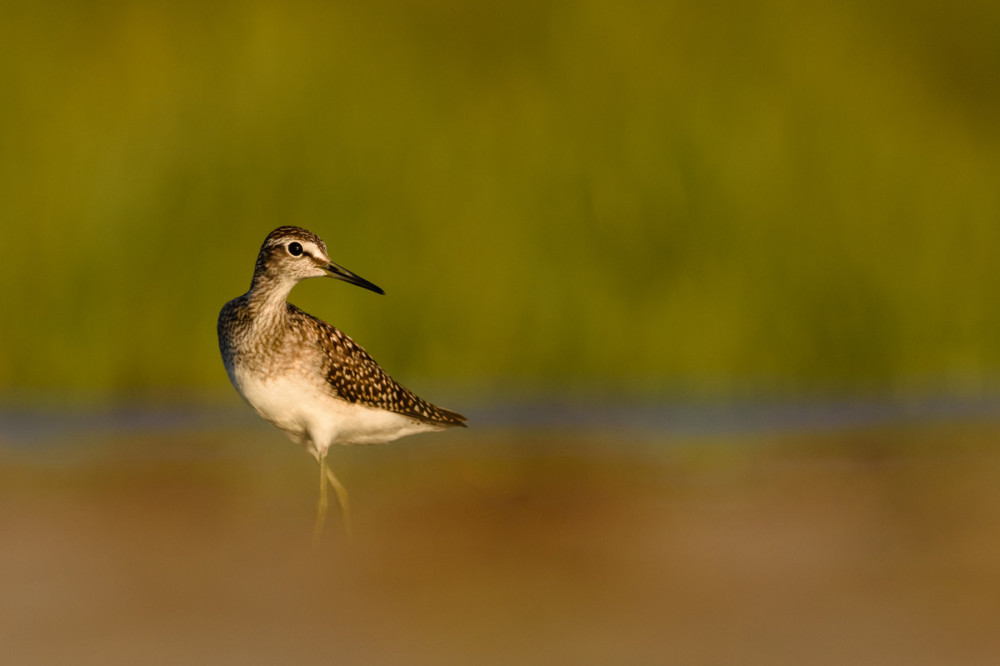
356, 377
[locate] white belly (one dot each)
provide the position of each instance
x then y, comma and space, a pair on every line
312, 417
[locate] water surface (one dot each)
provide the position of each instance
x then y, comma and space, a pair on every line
187, 540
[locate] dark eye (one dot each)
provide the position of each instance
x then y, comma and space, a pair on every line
294, 249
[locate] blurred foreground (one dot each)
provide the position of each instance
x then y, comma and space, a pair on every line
876, 546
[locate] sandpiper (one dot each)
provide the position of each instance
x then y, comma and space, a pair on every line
307, 377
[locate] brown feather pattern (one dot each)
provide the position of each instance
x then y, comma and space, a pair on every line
273, 340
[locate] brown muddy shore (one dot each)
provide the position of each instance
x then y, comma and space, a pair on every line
878, 546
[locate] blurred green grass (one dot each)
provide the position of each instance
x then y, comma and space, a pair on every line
710, 198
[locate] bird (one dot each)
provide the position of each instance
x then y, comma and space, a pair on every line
307, 377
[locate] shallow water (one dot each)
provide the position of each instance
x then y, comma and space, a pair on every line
189, 542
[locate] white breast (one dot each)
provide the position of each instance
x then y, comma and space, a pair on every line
310, 415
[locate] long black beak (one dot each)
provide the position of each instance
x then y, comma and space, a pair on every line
335, 271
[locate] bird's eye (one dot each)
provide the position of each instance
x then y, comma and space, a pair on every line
294, 249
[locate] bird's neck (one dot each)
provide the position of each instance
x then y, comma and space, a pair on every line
268, 297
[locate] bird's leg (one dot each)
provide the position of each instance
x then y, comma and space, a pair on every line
342, 499
326, 475
321, 507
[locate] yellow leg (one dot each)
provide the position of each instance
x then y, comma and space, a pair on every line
342, 499
321, 508
326, 476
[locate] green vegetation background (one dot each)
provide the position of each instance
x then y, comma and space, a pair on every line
708, 199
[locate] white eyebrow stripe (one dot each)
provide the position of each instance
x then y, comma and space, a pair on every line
313, 250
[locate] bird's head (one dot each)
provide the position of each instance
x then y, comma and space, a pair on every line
293, 254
